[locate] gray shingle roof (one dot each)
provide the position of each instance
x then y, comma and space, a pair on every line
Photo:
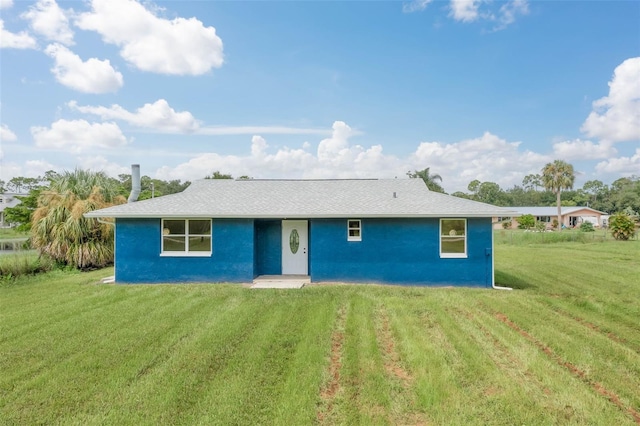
221, 198
552, 211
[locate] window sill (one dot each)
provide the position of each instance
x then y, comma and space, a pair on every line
453, 256
186, 254
354, 239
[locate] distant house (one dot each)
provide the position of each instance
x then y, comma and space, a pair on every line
8, 199
571, 216
371, 231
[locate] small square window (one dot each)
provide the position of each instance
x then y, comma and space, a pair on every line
354, 230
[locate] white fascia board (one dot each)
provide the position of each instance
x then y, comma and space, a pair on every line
302, 216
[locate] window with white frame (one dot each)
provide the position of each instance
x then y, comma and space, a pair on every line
186, 237
453, 238
354, 230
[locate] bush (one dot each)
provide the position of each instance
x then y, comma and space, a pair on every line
587, 227
526, 221
622, 226
23, 263
506, 225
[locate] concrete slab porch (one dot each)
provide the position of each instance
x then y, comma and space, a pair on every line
281, 281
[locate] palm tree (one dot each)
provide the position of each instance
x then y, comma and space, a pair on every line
428, 178
59, 228
557, 176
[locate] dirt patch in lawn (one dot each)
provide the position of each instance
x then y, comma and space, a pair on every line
390, 354
332, 387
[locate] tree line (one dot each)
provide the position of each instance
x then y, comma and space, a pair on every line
33, 188
622, 195
553, 186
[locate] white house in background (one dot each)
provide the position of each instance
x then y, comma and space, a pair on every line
571, 216
8, 199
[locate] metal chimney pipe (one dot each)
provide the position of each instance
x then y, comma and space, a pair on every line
135, 183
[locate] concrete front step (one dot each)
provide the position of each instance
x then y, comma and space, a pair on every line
281, 281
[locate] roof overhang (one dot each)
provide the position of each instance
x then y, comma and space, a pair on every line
302, 216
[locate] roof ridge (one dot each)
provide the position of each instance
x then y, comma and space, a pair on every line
306, 180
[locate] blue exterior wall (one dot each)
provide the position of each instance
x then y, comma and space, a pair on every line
138, 260
400, 251
268, 245
395, 251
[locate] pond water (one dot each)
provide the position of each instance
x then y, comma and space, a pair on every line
12, 245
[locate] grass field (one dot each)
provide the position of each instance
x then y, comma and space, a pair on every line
562, 348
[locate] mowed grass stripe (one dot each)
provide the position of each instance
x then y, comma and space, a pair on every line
259, 391
607, 362
403, 409
576, 371
57, 307
48, 289
601, 318
546, 389
365, 399
219, 343
620, 329
74, 366
68, 337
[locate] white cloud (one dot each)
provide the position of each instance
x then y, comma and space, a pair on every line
179, 46
91, 76
100, 163
485, 10
621, 165
415, 5
46, 18
78, 136
335, 158
464, 10
487, 158
617, 117
10, 170
38, 167
578, 149
21, 40
285, 162
6, 135
158, 115
509, 11
252, 130
5, 4
31, 168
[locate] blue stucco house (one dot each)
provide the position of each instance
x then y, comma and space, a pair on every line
391, 231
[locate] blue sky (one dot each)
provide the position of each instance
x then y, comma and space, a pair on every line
484, 90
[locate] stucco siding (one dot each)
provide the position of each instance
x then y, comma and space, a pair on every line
138, 260
268, 253
402, 251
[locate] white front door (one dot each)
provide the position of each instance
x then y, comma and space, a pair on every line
295, 242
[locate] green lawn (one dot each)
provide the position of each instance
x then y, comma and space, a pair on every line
563, 348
